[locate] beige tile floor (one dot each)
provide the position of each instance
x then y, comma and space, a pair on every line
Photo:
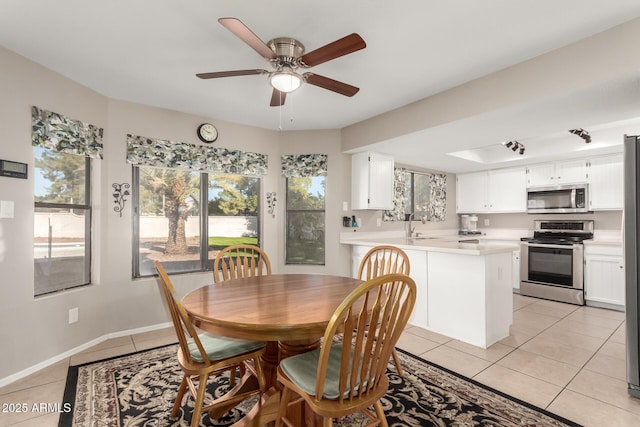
565, 358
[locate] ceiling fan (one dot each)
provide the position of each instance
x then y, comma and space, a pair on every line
286, 56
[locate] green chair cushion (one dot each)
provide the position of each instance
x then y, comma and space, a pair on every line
219, 348
302, 370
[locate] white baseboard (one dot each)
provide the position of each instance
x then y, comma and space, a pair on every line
35, 368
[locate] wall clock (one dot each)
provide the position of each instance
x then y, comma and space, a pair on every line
207, 133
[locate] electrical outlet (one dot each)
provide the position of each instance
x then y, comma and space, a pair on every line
73, 315
345, 206
487, 222
378, 222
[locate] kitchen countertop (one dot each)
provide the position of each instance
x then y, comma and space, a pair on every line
446, 244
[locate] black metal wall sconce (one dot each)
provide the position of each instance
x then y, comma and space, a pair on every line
119, 193
271, 203
515, 146
582, 134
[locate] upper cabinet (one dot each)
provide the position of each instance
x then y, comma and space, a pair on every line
371, 181
606, 183
505, 190
494, 191
567, 172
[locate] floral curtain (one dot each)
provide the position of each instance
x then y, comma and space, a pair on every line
60, 133
295, 166
438, 197
437, 209
169, 154
400, 177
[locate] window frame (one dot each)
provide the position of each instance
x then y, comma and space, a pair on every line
87, 208
412, 208
286, 226
206, 264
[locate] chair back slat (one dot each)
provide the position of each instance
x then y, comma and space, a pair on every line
371, 319
238, 261
179, 316
381, 260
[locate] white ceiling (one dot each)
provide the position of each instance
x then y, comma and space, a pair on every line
148, 51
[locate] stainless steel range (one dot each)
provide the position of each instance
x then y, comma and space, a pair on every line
552, 262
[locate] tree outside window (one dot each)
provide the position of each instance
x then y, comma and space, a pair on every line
305, 240
182, 225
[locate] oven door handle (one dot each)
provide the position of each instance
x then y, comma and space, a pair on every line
544, 245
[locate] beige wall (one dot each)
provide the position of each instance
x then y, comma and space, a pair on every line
36, 330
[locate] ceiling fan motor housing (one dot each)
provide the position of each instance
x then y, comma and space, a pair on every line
287, 50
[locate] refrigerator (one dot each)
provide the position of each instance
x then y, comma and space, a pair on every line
631, 228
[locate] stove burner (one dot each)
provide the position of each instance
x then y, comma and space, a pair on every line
567, 232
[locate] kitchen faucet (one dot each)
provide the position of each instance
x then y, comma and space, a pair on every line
410, 228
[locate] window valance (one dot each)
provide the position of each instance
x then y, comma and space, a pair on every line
301, 165
60, 133
169, 154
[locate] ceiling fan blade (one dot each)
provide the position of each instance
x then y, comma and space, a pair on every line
218, 74
277, 98
330, 84
246, 35
336, 49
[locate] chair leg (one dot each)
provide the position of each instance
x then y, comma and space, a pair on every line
285, 395
396, 360
262, 381
202, 388
380, 413
327, 422
179, 396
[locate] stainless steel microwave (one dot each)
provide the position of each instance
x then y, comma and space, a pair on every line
558, 199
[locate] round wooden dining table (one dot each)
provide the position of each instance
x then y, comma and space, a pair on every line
288, 311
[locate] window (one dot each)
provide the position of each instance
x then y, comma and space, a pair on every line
62, 221
305, 220
184, 217
417, 194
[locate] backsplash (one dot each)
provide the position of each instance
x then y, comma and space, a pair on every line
603, 220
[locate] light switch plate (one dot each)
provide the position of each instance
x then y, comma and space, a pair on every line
6, 208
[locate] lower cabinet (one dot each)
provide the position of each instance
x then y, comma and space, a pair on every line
604, 276
515, 268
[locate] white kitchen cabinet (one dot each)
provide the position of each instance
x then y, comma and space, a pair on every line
515, 270
372, 181
604, 282
508, 190
494, 191
567, 172
606, 183
515, 258
471, 192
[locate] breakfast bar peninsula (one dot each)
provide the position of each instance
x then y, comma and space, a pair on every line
464, 289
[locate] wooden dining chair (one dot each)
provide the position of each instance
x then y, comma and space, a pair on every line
201, 355
339, 379
381, 260
237, 261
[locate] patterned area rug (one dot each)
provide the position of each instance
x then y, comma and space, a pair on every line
139, 390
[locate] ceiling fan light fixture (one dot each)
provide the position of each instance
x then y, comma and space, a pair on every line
285, 80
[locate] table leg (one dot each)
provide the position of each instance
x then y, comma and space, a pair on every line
266, 410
